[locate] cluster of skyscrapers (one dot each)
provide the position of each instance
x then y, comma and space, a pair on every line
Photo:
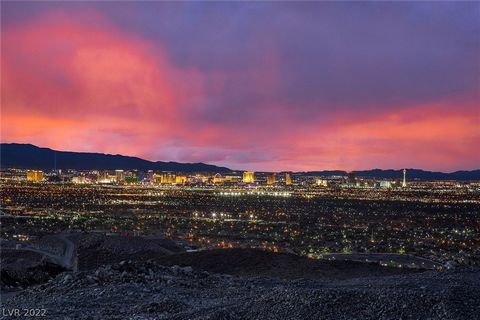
128, 177
271, 179
35, 176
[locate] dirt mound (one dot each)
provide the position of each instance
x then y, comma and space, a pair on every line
252, 262
247, 262
21, 268
126, 244
95, 250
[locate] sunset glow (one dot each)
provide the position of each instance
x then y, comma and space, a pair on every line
259, 86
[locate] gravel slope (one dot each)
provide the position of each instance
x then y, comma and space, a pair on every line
147, 290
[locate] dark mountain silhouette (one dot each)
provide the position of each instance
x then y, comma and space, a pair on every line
398, 174
14, 155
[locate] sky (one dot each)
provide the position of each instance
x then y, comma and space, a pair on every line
265, 86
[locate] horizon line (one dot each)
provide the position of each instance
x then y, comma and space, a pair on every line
233, 170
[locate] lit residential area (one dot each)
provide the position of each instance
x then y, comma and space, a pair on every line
309, 215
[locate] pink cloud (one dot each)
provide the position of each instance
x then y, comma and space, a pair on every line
72, 85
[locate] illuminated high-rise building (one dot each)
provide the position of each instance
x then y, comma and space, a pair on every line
105, 177
148, 177
351, 178
404, 182
385, 184
180, 179
218, 178
322, 182
35, 175
170, 178
119, 176
249, 177
288, 179
164, 178
271, 179
232, 178
79, 180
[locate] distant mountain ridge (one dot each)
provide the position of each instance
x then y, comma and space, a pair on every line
462, 175
28, 156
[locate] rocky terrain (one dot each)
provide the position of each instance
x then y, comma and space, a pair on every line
97, 249
21, 268
148, 290
139, 278
252, 262
124, 244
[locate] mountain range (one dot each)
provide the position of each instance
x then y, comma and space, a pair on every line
419, 174
15, 155
28, 156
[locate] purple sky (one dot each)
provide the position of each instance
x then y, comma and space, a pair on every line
255, 85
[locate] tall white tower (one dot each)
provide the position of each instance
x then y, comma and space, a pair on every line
404, 183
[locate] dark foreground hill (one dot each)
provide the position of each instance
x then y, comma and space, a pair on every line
159, 280
14, 155
148, 290
247, 263
25, 268
95, 250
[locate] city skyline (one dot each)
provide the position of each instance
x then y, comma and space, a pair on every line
251, 86
28, 156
